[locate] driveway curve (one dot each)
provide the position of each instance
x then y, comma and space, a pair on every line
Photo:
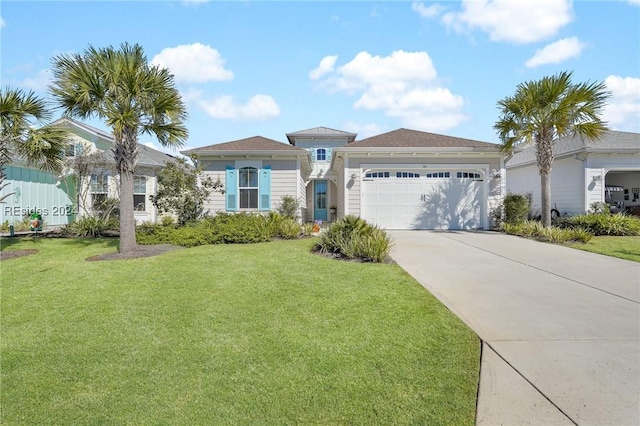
560, 327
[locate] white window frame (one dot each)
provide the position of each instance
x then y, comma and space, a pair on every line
255, 188
137, 192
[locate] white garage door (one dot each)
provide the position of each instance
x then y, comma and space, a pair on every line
422, 200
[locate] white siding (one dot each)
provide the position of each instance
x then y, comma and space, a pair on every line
302, 195
575, 184
284, 180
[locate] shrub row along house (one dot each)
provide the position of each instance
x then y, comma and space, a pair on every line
88, 181
404, 179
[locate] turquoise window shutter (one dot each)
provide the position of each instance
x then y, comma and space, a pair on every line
265, 189
231, 188
313, 154
328, 154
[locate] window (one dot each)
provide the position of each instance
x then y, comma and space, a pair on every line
99, 189
70, 151
377, 175
438, 175
139, 193
248, 187
321, 154
407, 175
467, 175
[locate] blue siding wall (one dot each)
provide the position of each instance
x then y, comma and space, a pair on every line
34, 189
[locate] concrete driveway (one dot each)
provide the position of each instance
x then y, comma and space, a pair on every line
560, 327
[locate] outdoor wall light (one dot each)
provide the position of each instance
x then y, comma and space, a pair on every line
354, 175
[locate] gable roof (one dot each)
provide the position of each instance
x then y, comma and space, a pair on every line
406, 138
255, 143
147, 156
610, 142
320, 133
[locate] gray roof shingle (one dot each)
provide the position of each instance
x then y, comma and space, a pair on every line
255, 143
402, 138
611, 141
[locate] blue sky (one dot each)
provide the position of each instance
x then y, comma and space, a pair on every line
267, 68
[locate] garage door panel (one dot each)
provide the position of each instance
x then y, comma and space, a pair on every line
423, 203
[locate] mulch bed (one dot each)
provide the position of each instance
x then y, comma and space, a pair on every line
140, 251
13, 254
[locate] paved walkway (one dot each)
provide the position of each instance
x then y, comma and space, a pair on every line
560, 327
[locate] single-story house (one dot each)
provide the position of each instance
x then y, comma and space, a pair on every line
61, 199
606, 170
403, 179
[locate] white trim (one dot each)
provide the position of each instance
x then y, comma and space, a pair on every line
452, 167
345, 190
256, 164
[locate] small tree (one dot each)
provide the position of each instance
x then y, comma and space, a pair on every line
545, 110
84, 164
182, 191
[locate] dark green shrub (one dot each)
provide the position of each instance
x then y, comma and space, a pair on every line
240, 228
353, 238
605, 223
516, 208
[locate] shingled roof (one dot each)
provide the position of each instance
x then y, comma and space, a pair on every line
405, 138
610, 141
255, 143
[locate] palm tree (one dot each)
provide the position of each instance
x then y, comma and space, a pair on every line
545, 110
133, 97
41, 147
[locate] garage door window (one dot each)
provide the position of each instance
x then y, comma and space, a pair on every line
466, 175
377, 175
438, 175
407, 175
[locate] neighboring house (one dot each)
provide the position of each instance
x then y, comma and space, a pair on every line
61, 199
584, 172
404, 179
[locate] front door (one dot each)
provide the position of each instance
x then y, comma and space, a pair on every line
320, 200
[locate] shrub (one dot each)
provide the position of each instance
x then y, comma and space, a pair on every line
167, 220
307, 229
516, 208
289, 228
91, 226
353, 238
289, 207
617, 224
554, 234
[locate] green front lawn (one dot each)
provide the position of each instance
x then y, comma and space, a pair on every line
622, 247
228, 334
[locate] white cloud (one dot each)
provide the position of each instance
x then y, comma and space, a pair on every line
39, 82
556, 52
426, 11
3, 23
521, 21
195, 63
363, 130
326, 66
402, 85
259, 107
195, 2
623, 110
635, 2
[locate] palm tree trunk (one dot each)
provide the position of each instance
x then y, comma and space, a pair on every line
545, 195
127, 221
126, 153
